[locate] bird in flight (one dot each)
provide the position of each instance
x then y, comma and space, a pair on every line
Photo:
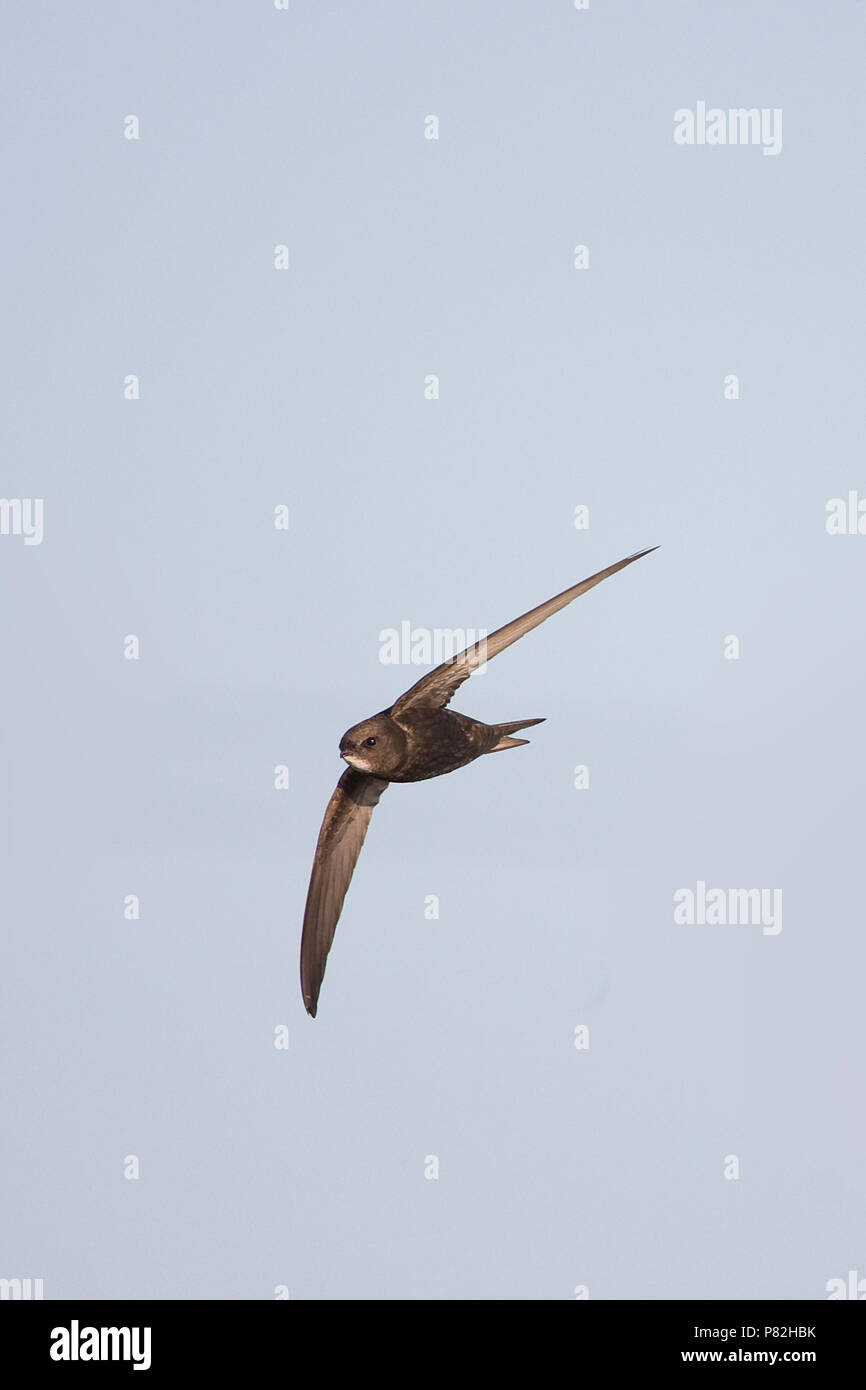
417, 738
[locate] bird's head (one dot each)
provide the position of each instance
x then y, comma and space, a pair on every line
376, 745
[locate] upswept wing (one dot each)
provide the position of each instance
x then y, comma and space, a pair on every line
438, 686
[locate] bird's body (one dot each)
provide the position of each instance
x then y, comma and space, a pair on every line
415, 739
430, 742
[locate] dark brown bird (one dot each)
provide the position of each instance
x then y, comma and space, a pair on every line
417, 738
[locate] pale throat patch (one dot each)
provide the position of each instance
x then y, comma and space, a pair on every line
357, 762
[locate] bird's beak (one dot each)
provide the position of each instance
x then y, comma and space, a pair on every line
344, 756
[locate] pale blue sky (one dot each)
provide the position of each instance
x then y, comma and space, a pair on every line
605, 387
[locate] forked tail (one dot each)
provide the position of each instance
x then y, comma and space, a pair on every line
503, 730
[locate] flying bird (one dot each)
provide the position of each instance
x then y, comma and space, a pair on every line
417, 738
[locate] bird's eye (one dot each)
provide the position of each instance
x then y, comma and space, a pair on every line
369, 742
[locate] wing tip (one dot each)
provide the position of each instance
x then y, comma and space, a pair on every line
310, 996
639, 554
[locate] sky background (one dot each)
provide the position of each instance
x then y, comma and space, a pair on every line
304, 1168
